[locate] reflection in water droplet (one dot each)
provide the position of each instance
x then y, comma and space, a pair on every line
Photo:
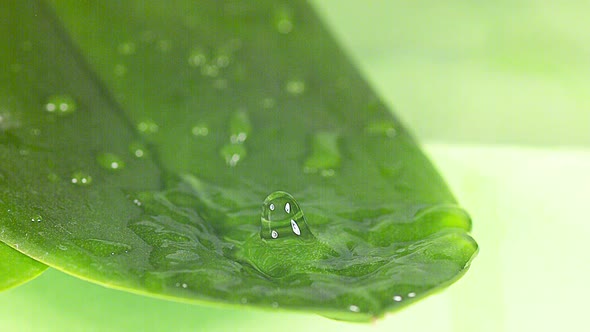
397, 298
126, 48
138, 149
381, 128
37, 218
61, 105
325, 155
295, 87
81, 178
286, 222
148, 127
103, 248
110, 161
239, 127
200, 130
233, 153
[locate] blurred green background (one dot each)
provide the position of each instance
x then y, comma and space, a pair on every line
497, 93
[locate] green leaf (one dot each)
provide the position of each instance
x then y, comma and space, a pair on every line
233, 102
16, 269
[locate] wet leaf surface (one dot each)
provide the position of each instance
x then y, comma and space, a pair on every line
147, 136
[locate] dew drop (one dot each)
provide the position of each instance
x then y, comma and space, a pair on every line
283, 20
325, 155
61, 105
137, 202
200, 130
397, 298
412, 294
126, 48
239, 127
138, 150
233, 153
110, 161
148, 127
295, 87
282, 223
37, 218
354, 308
81, 178
381, 128
197, 57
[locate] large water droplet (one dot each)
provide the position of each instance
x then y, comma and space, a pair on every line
103, 248
239, 127
81, 178
61, 105
325, 156
110, 161
282, 217
233, 153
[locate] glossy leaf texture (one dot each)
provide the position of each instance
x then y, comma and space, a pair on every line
157, 136
16, 269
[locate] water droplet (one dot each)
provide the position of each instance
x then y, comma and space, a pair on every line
285, 222
275, 304
222, 60
397, 298
197, 57
354, 308
233, 153
110, 161
295, 87
184, 285
137, 202
61, 105
81, 178
283, 20
381, 128
148, 127
37, 218
126, 48
239, 127
103, 248
325, 155
268, 103
120, 70
200, 130
138, 149
412, 294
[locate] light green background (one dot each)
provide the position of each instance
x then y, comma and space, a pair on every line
498, 92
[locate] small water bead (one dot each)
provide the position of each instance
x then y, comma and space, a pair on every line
412, 294
286, 221
283, 20
295, 87
233, 153
197, 57
110, 161
354, 308
138, 150
397, 298
81, 178
37, 218
148, 127
239, 127
61, 105
381, 128
126, 48
200, 130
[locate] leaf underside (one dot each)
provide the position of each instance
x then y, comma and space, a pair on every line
178, 119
